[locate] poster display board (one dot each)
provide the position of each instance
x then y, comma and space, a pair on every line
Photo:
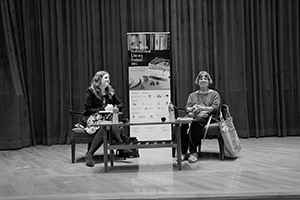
149, 83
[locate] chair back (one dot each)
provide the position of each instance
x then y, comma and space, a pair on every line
74, 115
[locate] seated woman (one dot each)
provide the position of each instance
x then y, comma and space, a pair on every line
100, 96
200, 105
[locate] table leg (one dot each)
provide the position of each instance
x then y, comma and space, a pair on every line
111, 151
105, 160
177, 131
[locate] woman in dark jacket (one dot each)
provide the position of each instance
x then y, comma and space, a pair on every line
100, 96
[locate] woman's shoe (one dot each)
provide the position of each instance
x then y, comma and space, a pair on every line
193, 157
184, 156
89, 163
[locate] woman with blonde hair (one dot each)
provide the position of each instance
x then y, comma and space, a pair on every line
100, 96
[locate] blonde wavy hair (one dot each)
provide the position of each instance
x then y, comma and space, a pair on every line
96, 82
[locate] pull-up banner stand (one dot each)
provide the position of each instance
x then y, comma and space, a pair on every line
149, 83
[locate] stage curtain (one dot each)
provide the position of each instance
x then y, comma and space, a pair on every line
14, 112
251, 49
50, 50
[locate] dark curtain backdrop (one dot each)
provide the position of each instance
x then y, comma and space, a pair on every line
50, 49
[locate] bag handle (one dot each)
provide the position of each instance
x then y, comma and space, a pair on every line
206, 129
221, 114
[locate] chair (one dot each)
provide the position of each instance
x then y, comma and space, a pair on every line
78, 135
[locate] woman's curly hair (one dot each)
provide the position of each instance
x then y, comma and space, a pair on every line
96, 82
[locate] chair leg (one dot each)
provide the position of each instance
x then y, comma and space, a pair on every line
111, 152
73, 150
111, 156
173, 136
221, 146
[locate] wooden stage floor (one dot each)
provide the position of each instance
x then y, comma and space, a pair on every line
267, 168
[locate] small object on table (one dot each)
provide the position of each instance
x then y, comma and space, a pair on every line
125, 120
163, 119
171, 112
115, 117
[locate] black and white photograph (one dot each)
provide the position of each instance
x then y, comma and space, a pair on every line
149, 99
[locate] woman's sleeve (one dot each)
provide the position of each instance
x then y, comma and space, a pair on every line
118, 102
189, 102
89, 104
216, 100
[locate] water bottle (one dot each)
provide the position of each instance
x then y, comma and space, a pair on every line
171, 112
115, 117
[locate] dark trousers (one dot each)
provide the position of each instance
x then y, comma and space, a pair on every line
190, 141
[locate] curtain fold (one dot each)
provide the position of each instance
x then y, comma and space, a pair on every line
50, 50
15, 120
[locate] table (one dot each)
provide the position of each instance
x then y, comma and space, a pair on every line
173, 143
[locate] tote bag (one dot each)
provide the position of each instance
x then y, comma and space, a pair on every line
232, 142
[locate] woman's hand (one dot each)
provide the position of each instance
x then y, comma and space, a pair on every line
197, 108
203, 114
109, 107
115, 109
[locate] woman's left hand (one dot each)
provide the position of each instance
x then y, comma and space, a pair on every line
203, 114
109, 107
115, 109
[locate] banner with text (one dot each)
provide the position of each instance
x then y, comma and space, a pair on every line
149, 83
